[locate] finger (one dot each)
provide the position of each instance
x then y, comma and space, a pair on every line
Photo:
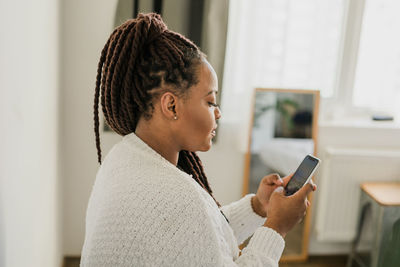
301, 216
286, 179
279, 191
273, 179
306, 203
314, 186
304, 191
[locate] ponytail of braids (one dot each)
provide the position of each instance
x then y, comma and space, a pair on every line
141, 55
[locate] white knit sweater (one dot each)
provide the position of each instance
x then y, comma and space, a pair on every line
144, 211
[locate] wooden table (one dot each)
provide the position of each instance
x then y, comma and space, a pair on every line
382, 200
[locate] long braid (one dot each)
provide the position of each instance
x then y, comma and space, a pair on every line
190, 161
141, 55
105, 92
186, 165
96, 99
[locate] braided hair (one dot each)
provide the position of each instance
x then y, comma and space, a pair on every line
140, 59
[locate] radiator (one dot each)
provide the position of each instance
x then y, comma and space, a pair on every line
343, 169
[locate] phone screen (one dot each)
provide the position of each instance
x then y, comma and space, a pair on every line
301, 175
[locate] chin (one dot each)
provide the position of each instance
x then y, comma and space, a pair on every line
205, 148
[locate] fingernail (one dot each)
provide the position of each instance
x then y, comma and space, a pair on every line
279, 189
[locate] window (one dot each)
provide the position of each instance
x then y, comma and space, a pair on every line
286, 43
279, 44
377, 76
348, 49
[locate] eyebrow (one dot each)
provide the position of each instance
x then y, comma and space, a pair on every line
212, 91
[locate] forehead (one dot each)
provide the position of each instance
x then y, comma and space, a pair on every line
207, 80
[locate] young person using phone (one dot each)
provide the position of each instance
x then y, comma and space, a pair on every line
151, 204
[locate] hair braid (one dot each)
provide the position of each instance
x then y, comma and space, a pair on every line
106, 104
96, 98
142, 55
186, 164
117, 74
196, 162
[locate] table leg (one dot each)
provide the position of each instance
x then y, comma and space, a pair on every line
366, 206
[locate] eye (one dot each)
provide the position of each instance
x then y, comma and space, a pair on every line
213, 104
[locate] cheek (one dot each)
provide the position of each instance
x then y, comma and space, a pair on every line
201, 120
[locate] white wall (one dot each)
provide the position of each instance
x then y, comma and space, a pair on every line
85, 27
29, 184
363, 134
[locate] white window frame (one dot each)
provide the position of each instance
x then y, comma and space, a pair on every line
342, 99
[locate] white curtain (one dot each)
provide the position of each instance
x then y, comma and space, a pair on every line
278, 44
377, 80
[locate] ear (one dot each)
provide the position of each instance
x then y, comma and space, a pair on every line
168, 102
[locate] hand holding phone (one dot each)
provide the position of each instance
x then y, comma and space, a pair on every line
285, 212
302, 175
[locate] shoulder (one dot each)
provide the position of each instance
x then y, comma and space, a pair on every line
146, 202
143, 182
162, 216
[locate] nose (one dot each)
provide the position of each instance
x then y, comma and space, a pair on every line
217, 113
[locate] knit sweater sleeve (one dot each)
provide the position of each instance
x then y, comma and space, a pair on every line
195, 240
242, 219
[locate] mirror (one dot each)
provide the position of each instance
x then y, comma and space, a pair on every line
283, 130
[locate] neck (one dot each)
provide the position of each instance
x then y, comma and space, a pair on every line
156, 138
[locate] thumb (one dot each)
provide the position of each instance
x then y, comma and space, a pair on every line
304, 191
279, 190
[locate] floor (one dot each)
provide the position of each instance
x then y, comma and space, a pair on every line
315, 261
71, 261
320, 261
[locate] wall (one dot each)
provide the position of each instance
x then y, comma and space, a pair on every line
29, 184
355, 133
85, 27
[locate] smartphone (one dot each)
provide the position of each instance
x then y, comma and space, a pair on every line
302, 175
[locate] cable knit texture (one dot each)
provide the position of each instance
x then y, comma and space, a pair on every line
144, 211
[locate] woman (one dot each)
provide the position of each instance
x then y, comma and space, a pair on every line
151, 204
